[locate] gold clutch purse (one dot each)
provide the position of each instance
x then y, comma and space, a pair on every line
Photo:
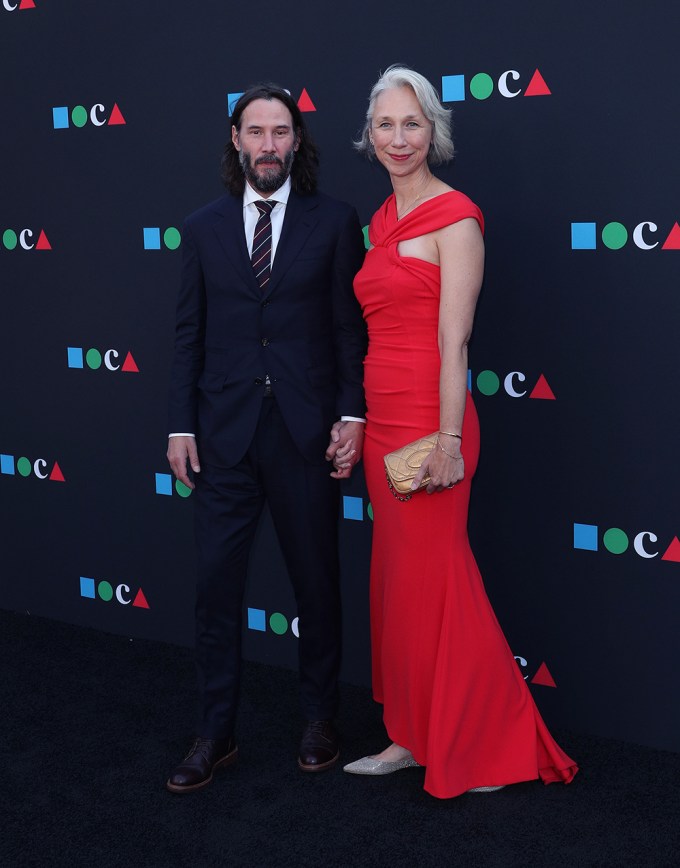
402, 465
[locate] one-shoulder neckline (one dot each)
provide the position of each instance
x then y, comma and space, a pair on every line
398, 219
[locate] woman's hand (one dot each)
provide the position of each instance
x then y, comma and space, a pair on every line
445, 468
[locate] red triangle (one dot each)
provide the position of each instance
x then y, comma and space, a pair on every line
672, 553
543, 677
304, 103
542, 390
116, 115
42, 243
56, 475
537, 86
673, 240
130, 365
27, 4
140, 600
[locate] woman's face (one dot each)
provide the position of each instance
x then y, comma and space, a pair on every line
400, 132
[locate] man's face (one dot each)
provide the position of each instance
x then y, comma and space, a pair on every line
266, 144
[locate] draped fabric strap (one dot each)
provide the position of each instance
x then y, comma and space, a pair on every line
261, 257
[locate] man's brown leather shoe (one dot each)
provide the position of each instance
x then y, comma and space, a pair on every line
197, 767
319, 747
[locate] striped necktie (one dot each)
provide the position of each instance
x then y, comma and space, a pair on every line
261, 257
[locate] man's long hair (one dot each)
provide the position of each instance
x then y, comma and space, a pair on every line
305, 164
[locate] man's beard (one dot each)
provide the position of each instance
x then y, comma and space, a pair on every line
274, 175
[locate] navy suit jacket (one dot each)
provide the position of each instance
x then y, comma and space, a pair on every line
305, 330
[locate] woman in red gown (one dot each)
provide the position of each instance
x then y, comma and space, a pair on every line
454, 699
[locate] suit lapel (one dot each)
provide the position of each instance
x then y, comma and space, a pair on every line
300, 220
232, 238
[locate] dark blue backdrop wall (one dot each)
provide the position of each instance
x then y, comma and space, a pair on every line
567, 130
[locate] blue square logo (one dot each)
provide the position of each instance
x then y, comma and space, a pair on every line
163, 483
353, 508
585, 537
7, 464
232, 99
583, 236
453, 88
75, 357
257, 620
152, 238
60, 117
87, 587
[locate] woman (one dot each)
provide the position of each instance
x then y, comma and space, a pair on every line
454, 699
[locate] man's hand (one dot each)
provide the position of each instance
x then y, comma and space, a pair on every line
180, 451
345, 448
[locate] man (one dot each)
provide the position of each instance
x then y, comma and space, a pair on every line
268, 360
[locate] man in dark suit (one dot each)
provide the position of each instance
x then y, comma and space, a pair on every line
268, 363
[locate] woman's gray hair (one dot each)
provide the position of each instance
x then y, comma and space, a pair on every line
441, 148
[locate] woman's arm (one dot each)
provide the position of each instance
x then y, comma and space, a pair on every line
461, 260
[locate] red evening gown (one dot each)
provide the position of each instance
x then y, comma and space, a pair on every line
451, 689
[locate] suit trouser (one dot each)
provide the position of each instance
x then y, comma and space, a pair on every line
303, 500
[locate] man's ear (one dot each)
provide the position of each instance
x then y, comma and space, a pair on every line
234, 138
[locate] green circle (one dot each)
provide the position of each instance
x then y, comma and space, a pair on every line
79, 116
481, 86
615, 541
9, 239
105, 591
367, 240
24, 466
369, 510
94, 359
182, 489
614, 236
171, 238
488, 383
278, 623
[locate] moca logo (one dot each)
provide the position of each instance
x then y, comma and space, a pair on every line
91, 589
617, 541
24, 238
79, 116
614, 236
278, 623
26, 466
482, 85
19, 4
304, 102
489, 383
93, 358
164, 485
152, 238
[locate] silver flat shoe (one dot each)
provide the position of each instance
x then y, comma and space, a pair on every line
368, 765
486, 789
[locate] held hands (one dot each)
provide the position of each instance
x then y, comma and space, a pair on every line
345, 448
180, 451
444, 465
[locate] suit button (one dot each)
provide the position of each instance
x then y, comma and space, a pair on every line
259, 381
265, 342
265, 304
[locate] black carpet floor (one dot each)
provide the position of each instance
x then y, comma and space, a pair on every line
91, 724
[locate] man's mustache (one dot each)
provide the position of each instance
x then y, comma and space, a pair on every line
268, 161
